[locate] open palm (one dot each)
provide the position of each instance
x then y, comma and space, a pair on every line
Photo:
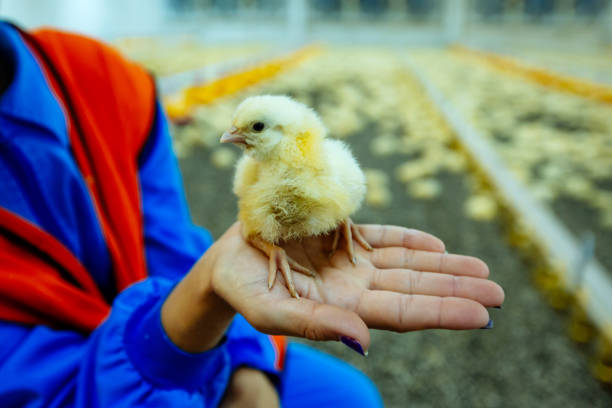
406, 283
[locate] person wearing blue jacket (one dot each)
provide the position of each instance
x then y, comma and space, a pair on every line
189, 331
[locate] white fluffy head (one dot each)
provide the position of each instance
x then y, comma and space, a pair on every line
284, 120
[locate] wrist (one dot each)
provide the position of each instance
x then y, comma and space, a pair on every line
194, 316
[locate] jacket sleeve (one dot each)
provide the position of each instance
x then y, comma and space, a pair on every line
128, 361
174, 243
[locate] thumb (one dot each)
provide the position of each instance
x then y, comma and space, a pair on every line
309, 319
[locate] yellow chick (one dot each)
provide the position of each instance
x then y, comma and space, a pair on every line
292, 182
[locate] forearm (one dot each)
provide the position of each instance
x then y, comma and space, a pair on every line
194, 317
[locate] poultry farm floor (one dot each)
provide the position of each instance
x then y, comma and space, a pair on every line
528, 358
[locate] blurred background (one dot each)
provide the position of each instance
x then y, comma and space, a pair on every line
485, 122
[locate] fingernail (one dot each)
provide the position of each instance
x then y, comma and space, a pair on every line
354, 261
489, 325
353, 344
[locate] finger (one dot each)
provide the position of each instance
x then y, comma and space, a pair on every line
308, 319
410, 282
381, 236
400, 312
393, 257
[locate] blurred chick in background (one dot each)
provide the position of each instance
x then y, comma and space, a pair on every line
292, 182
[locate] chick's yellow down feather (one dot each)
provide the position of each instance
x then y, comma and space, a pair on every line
292, 182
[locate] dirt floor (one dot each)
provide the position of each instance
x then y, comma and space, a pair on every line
527, 360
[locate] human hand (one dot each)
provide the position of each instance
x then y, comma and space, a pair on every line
407, 283
250, 388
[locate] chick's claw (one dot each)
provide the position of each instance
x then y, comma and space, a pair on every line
279, 260
299, 268
351, 233
359, 237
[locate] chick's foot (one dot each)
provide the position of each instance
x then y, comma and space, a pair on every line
279, 260
351, 233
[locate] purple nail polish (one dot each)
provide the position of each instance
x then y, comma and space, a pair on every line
489, 325
353, 344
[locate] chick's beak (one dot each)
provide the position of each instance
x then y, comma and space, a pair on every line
233, 135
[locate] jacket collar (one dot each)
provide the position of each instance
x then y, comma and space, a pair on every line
29, 97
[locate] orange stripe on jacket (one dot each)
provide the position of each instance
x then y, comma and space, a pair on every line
41, 282
279, 343
110, 104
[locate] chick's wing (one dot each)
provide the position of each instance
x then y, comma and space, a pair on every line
345, 171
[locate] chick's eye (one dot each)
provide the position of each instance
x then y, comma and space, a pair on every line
258, 126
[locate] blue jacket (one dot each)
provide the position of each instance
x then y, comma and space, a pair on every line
128, 360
